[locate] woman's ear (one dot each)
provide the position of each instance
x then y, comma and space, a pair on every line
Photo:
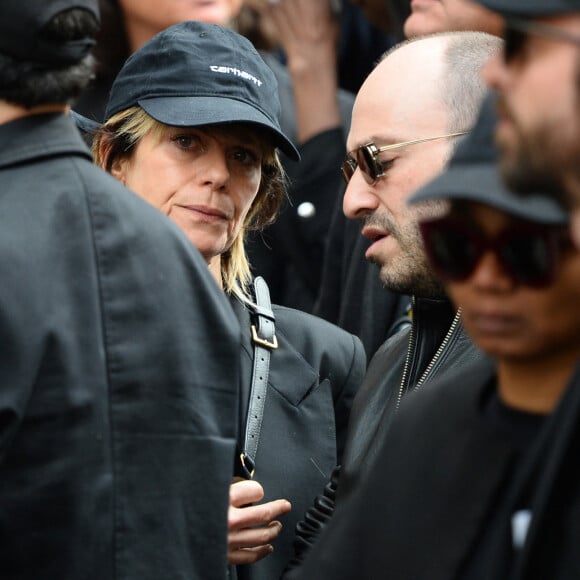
119, 169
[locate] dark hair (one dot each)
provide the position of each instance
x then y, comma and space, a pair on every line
112, 48
30, 83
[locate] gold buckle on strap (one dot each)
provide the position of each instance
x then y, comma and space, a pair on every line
243, 460
262, 341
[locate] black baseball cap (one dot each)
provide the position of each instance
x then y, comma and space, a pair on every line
473, 175
21, 31
531, 8
193, 74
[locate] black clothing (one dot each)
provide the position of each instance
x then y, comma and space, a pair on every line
119, 373
419, 515
290, 252
314, 375
434, 346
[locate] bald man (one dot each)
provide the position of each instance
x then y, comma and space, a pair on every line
408, 116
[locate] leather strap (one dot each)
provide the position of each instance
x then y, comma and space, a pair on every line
264, 339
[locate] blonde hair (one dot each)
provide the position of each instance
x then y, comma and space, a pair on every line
118, 137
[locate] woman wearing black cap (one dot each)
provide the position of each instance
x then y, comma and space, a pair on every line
191, 126
316, 116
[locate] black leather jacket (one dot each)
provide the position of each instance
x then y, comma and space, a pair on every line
435, 344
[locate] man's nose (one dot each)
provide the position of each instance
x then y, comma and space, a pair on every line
359, 199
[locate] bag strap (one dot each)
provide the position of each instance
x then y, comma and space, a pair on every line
264, 340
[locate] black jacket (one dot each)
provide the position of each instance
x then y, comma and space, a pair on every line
314, 375
421, 515
119, 366
434, 346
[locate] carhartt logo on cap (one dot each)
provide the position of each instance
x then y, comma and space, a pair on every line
229, 70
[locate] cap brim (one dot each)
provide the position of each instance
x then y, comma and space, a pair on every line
482, 183
85, 124
196, 111
528, 8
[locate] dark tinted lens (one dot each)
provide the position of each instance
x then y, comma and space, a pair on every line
529, 258
369, 164
514, 42
452, 251
348, 168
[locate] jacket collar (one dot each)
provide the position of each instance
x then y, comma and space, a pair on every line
37, 136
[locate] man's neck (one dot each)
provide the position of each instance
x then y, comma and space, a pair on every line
11, 112
536, 386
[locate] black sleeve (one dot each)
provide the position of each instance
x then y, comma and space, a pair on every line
315, 520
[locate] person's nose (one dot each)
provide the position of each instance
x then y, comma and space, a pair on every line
490, 275
216, 172
495, 72
359, 199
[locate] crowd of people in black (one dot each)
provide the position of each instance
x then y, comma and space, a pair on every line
214, 214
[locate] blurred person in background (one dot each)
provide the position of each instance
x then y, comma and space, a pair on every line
429, 16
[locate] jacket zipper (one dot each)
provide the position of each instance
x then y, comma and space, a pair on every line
432, 362
441, 348
410, 349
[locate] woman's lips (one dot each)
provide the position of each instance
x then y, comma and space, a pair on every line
205, 213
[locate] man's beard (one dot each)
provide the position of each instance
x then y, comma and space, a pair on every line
539, 162
408, 273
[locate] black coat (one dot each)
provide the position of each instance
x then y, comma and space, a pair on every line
314, 375
440, 476
119, 367
434, 346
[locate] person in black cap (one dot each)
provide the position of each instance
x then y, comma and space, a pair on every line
538, 80
315, 115
192, 127
119, 361
465, 486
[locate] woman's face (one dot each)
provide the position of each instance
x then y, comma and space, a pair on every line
513, 321
205, 180
148, 17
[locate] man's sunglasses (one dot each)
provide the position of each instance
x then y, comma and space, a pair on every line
527, 253
367, 158
517, 31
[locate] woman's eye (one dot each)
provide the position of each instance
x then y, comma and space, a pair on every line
185, 141
246, 156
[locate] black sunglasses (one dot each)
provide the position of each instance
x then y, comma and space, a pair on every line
367, 158
527, 253
517, 31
